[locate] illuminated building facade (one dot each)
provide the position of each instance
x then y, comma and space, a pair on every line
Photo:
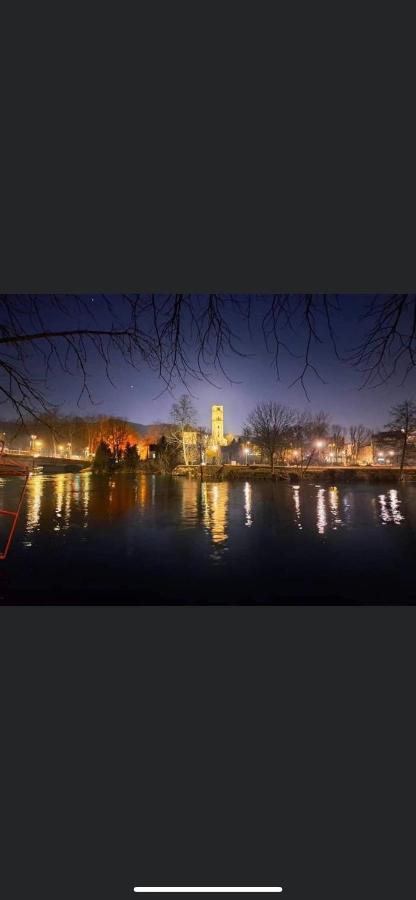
217, 428
388, 445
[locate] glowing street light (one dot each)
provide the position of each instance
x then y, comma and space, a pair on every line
246, 451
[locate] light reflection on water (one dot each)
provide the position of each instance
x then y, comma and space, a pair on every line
390, 508
34, 493
321, 520
214, 499
174, 538
247, 504
296, 500
63, 502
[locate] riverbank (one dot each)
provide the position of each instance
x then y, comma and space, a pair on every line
326, 474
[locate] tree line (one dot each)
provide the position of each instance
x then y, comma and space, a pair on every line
56, 433
275, 431
106, 460
272, 429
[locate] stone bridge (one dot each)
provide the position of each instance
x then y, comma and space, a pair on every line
49, 464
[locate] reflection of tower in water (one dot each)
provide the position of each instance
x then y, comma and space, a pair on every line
189, 498
215, 510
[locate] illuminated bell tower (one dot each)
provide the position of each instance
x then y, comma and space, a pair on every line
218, 424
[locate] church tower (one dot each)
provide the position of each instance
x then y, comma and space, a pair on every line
218, 425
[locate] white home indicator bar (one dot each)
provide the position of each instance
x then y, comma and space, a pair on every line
208, 890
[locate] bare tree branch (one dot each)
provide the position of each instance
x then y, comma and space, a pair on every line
187, 338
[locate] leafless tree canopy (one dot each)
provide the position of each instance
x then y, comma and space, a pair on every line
360, 436
403, 418
184, 418
388, 343
270, 427
183, 337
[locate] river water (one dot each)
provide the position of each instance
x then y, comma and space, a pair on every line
150, 539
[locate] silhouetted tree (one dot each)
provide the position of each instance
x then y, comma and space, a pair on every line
183, 415
103, 459
360, 436
167, 455
269, 426
130, 458
306, 430
403, 419
116, 431
337, 440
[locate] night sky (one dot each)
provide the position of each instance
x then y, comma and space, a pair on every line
137, 395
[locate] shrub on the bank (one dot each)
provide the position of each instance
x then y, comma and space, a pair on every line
130, 460
103, 460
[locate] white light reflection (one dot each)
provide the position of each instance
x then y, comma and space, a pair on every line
390, 508
321, 520
296, 500
247, 504
395, 507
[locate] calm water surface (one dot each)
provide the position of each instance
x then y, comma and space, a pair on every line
90, 539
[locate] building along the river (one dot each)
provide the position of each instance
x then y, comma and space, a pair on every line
388, 446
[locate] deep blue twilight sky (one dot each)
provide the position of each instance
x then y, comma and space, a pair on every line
137, 395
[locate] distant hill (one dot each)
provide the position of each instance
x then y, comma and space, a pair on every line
144, 430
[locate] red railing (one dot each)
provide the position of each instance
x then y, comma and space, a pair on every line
12, 470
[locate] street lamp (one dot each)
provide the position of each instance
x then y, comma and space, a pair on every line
246, 451
32, 441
